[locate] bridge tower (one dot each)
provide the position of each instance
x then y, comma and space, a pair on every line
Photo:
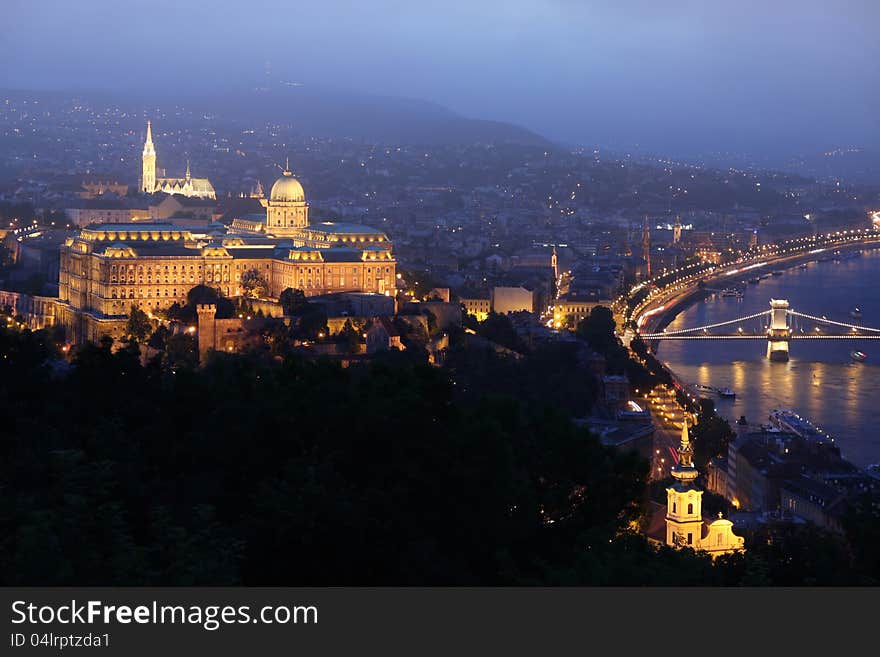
779, 333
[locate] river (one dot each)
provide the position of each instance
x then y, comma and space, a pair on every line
820, 381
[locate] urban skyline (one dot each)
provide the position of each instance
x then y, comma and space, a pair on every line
263, 331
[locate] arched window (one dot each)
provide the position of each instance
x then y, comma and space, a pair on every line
690, 509
673, 507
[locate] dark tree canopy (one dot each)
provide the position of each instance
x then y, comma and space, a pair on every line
138, 327
266, 470
499, 329
293, 301
254, 284
201, 295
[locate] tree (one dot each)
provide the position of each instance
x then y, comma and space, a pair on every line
433, 328
181, 351
597, 329
159, 338
293, 301
468, 321
499, 329
253, 284
138, 326
275, 334
349, 336
228, 483
312, 325
204, 295
712, 434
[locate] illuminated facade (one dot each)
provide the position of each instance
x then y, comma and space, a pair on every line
107, 268
569, 309
479, 307
186, 186
684, 510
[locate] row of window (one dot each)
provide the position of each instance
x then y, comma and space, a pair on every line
147, 293
173, 280
121, 269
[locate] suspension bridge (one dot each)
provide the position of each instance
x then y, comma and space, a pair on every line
778, 326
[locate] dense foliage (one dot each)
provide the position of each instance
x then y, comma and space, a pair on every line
251, 471
276, 470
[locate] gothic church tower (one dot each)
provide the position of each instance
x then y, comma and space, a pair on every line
148, 177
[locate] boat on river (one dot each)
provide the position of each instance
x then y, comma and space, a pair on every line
858, 356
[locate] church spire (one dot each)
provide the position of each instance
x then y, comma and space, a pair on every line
287, 171
684, 471
684, 449
188, 175
148, 163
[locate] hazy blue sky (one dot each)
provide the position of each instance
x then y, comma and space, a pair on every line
671, 75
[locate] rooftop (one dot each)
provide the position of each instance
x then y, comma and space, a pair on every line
334, 227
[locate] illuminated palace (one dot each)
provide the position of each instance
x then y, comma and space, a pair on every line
186, 186
107, 268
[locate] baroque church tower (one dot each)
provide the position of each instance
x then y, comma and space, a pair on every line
148, 176
684, 509
684, 502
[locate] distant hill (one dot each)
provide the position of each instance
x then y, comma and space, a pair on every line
852, 165
333, 113
318, 111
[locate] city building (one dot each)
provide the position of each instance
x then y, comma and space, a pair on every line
96, 188
774, 471
107, 268
101, 210
571, 308
510, 299
186, 186
383, 335
478, 304
177, 205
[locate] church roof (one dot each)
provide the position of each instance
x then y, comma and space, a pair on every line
200, 186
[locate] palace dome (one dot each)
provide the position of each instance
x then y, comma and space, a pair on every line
287, 189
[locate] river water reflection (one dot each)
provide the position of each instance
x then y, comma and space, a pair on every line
820, 381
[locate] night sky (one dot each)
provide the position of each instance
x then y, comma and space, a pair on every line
680, 76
